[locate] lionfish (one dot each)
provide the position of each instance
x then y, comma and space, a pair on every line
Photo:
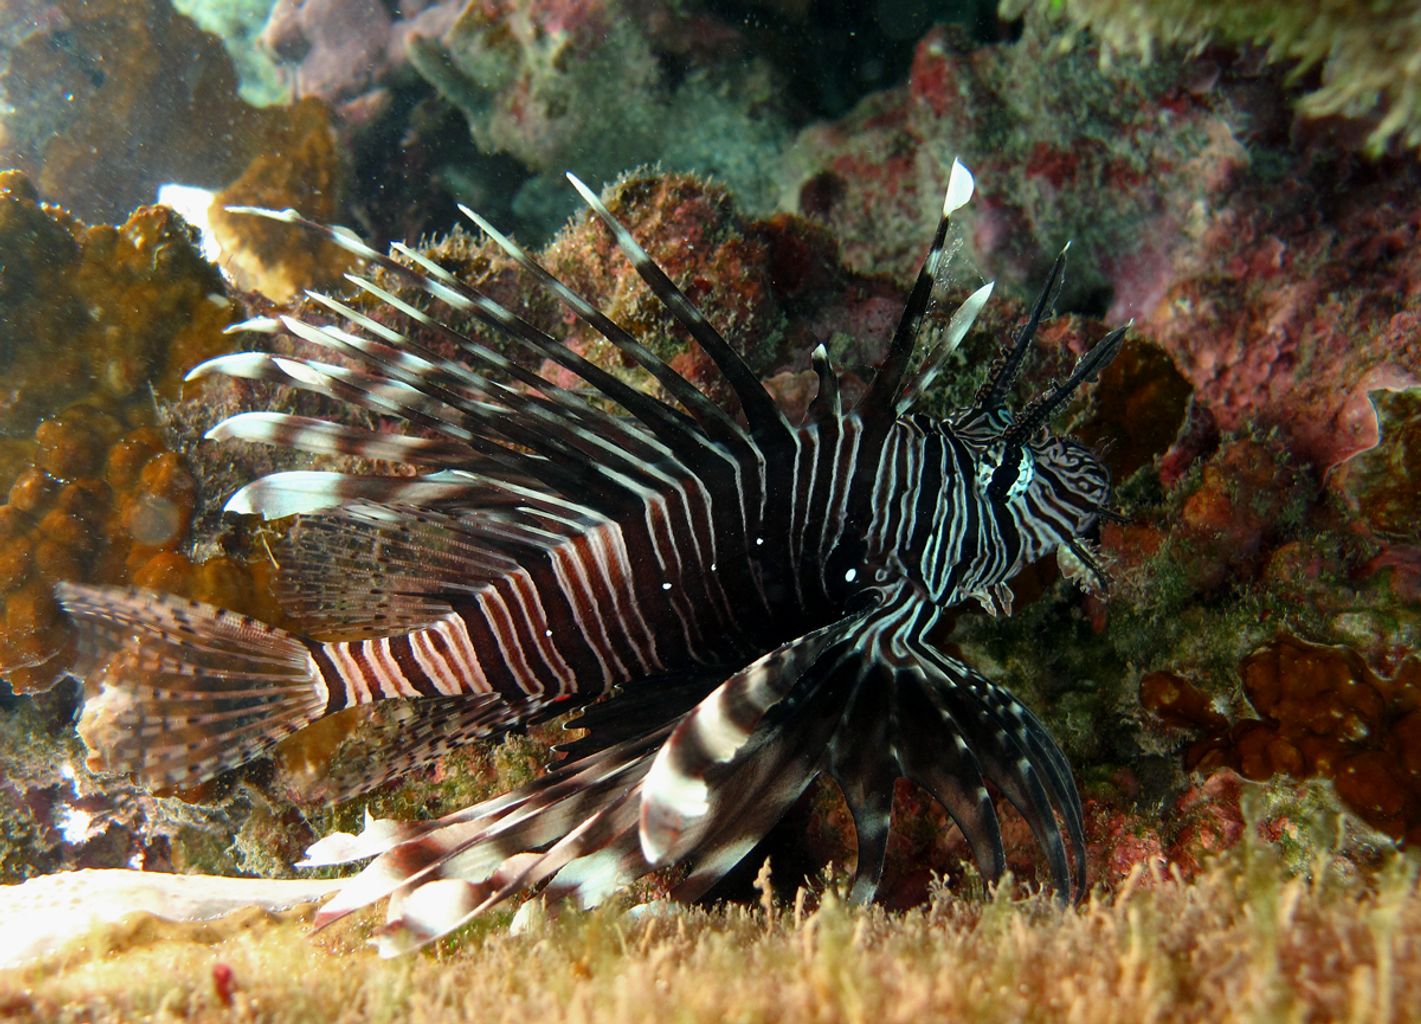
754, 599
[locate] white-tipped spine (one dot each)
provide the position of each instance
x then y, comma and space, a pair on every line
960, 186
588, 196
257, 325
498, 236
287, 216
243, 365
965, 316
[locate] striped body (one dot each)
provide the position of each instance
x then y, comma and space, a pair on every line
755, 600
664, 591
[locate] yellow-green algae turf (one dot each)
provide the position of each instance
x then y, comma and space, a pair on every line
1243, 942
1364, 50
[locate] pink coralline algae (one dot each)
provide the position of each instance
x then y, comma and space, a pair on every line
1119, 161
344, 51
1299, 302
1282, 296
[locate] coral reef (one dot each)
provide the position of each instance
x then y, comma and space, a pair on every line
107, 100
1288, 314
104, 312
585, 86
1190, 205
1119, 161
111, 317
1322, 713
1362, 53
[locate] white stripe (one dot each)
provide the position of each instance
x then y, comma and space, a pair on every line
430, 661
572, 580
530, 606
470, 676
357, 688
402, 682
500, 622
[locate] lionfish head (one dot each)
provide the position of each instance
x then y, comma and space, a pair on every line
1054, 488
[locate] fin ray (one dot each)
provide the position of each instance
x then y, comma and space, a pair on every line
141, 648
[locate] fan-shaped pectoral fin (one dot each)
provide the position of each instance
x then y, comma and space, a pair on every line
1018, 756
682, 795
861, 762
920, 714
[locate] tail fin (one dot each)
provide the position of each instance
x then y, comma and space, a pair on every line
185, 690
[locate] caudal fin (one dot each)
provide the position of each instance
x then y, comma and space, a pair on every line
181, 691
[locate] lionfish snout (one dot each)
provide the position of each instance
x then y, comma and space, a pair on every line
1077, 479
1064, 499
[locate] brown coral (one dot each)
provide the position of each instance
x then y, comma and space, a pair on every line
1323, 713
100, 505
299, 166
98, 314
107, 317
106, 100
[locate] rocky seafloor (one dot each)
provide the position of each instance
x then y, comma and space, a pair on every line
1251, 681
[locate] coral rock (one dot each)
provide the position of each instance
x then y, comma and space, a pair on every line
103, 312
583, 84
1384, 482
106, 100
1323, 713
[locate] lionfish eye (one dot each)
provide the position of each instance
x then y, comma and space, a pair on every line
1009, 475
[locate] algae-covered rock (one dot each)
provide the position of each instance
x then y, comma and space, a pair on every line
109, 318
1357, 58
587, 86
106, 100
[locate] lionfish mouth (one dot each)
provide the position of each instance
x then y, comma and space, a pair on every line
751, 600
